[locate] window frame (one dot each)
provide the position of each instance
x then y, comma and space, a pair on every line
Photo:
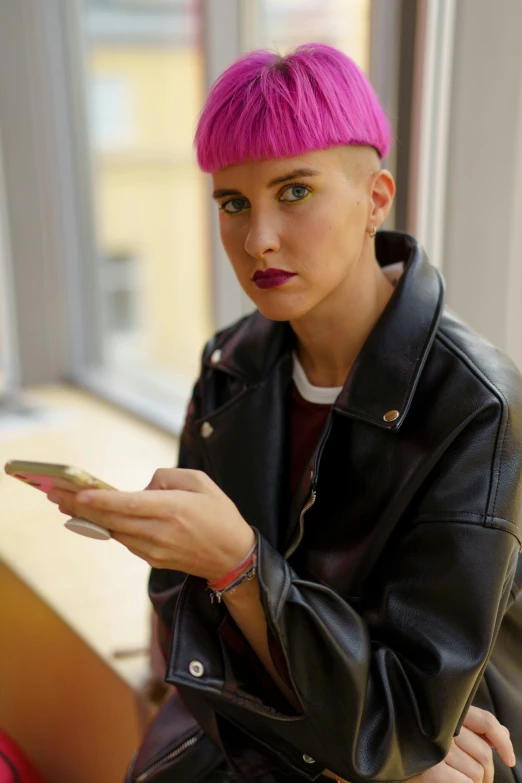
9, 365
430, 123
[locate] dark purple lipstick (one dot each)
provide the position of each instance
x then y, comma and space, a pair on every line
271, 278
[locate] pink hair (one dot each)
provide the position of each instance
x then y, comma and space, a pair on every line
265, 106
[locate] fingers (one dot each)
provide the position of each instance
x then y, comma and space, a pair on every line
57, 495
464, 763
125, 504
127, 512
143, 528
147, 531
138, 504
150, 503
477, 748
443, 773
179, 478
147, 551
133, 544
486, 724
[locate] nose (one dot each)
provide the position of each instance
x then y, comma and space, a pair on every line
262, 237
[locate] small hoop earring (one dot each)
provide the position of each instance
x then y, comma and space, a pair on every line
372, 232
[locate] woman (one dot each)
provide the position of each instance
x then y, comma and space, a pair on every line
347, 503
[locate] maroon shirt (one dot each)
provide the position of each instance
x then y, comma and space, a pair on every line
307, 420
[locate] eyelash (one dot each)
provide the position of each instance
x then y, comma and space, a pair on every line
292, 185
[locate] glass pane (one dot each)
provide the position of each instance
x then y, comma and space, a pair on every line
144, 68
345, 24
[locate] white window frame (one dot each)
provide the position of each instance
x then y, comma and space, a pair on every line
430, 124
9, 364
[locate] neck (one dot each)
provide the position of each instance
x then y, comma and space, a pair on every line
330, 337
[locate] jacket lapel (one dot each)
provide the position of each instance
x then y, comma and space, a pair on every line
247, 450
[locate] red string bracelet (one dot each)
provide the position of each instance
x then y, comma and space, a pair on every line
246, 569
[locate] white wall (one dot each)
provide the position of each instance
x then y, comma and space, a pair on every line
482, 258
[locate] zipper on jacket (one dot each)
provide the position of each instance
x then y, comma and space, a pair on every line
169, 757
299, 537
313, 489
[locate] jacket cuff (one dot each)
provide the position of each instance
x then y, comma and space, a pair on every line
200, 661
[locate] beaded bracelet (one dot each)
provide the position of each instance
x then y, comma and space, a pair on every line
243, 571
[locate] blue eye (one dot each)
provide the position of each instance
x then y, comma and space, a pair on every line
299, 192
236, 204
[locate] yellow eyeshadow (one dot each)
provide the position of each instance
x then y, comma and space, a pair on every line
294, 203
221, 208
233, 214
301, 200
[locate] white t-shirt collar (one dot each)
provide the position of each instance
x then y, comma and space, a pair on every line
323, 395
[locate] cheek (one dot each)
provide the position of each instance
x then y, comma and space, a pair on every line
233, 241
322, 223
326, 242
314, 237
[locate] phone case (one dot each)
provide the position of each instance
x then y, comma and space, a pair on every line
46, 475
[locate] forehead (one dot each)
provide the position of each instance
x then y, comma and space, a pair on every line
342, 159
262, 171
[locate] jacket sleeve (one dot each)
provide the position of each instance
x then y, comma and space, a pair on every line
384, 687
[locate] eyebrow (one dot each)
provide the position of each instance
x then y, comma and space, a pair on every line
296, 173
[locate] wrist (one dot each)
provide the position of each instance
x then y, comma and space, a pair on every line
243, 571
236, 550
240, 599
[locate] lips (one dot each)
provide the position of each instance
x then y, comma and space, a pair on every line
271, 278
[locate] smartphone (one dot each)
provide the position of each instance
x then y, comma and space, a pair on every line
46, 475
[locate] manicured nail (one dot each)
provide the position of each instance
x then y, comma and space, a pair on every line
513, 760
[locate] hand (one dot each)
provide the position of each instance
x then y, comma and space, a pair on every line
470, 759
181, 521
482, 725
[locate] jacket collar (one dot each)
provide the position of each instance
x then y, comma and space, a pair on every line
386, 372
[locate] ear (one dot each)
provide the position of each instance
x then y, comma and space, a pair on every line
382, 195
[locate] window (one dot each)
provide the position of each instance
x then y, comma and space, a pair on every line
145, 78
111, 112
120, 293
345, 24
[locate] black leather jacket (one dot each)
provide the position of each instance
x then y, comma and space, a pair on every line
395, 598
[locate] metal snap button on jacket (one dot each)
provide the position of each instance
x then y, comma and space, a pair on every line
308, 759
206, 429
216, 356
391, 415
196, 668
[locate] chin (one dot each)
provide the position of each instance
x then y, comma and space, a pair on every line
280, 311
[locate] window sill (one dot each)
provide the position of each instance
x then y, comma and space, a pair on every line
97, 587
